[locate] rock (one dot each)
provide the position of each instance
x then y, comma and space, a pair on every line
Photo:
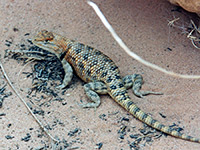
189, 5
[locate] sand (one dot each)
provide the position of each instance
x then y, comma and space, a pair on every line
143, 26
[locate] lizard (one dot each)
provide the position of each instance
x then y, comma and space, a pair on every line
101, 75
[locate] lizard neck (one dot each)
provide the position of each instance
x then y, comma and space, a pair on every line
65, 46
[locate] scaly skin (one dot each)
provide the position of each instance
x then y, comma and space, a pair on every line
102, 76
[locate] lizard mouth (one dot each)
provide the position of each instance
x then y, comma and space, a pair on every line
46, 40
46, 45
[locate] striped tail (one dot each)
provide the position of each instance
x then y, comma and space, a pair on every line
122, 98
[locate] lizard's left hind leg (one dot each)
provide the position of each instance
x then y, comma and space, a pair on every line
135, 81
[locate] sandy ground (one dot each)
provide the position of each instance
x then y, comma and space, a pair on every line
143, 26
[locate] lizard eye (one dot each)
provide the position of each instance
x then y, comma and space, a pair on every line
48, 39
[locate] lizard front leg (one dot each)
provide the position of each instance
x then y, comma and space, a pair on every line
91, 90
135, 81
68, 74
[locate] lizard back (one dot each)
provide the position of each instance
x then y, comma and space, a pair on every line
90, 64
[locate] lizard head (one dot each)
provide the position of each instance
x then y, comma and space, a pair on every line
50, 41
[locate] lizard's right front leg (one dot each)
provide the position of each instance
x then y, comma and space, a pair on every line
68, 74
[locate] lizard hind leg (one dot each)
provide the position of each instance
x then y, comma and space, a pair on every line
135, 81
91, 90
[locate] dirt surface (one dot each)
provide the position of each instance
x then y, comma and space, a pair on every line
143, 25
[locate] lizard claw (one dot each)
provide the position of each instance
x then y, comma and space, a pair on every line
141, 94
